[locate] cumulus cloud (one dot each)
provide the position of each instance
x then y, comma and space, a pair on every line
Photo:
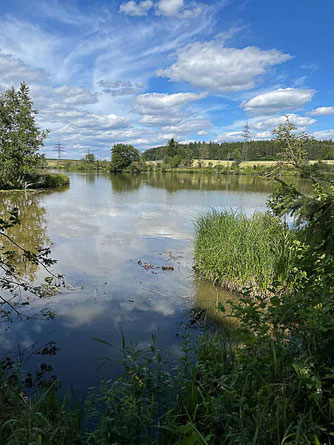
157, 121
169, 112
75, 95
263, 135
136, 9
280, 100
323, 134
322, 111
221, 69
120, 88
176, 8
188, 126
261, 127
229, 136
169, 8
273, 121
99, 122
13, 71
163, 103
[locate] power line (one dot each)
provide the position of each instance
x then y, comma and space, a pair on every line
246, 134
59, 148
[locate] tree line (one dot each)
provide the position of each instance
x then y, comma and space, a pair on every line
266, 150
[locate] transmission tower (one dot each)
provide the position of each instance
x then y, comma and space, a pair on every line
59, 149
246, 134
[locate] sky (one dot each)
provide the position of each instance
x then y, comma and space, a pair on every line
141, 72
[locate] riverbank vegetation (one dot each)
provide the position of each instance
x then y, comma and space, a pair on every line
21, 165
177, 157
267, 380
236, 252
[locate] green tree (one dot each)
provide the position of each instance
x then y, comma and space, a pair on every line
90, 158
122, 156
172, 148
20, 139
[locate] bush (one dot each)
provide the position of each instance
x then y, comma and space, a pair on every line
49, 180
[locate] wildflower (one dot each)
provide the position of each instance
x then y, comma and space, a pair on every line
140, 382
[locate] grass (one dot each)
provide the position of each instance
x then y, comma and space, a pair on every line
38, 419
236, 251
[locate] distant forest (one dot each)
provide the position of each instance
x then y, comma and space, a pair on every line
256, 151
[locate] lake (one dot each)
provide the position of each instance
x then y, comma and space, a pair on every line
111, 235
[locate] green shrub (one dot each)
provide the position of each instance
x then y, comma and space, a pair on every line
49, 180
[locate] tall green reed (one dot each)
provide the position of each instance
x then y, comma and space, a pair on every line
236, 251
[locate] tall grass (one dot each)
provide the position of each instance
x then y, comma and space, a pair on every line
236, 251
39, 419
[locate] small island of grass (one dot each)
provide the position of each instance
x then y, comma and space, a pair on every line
21, 164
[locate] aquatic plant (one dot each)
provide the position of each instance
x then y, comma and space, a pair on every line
237, 251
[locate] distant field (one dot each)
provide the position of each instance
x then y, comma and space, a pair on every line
57, 163
53, 163
215, 162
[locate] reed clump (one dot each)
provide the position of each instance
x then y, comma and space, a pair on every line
237, 251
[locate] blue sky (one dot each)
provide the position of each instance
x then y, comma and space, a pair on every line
141, 72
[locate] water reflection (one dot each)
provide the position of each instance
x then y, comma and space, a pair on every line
100, 228
30, 233
209, 297
125, 182
173, 182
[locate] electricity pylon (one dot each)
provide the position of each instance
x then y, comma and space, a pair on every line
246, 134
59, 149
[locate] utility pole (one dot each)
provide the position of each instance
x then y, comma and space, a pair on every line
59, 149
246, 134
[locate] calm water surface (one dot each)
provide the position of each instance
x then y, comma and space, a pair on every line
100, 227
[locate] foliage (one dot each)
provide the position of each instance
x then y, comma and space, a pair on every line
49, 180
80, 165
20, 139
40, 419
235, 251
16, 292
89, 158
122, 156
257, 150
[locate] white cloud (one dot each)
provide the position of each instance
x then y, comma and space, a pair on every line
229, 136
75, 95
273, 121
264, 135
202, 133
322, 111
188, 126
13, 71
261, 127
163, 103
99, 122
282, 99
323, 134
221, 69
157, 121
169, 7
136, 9
120, 87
